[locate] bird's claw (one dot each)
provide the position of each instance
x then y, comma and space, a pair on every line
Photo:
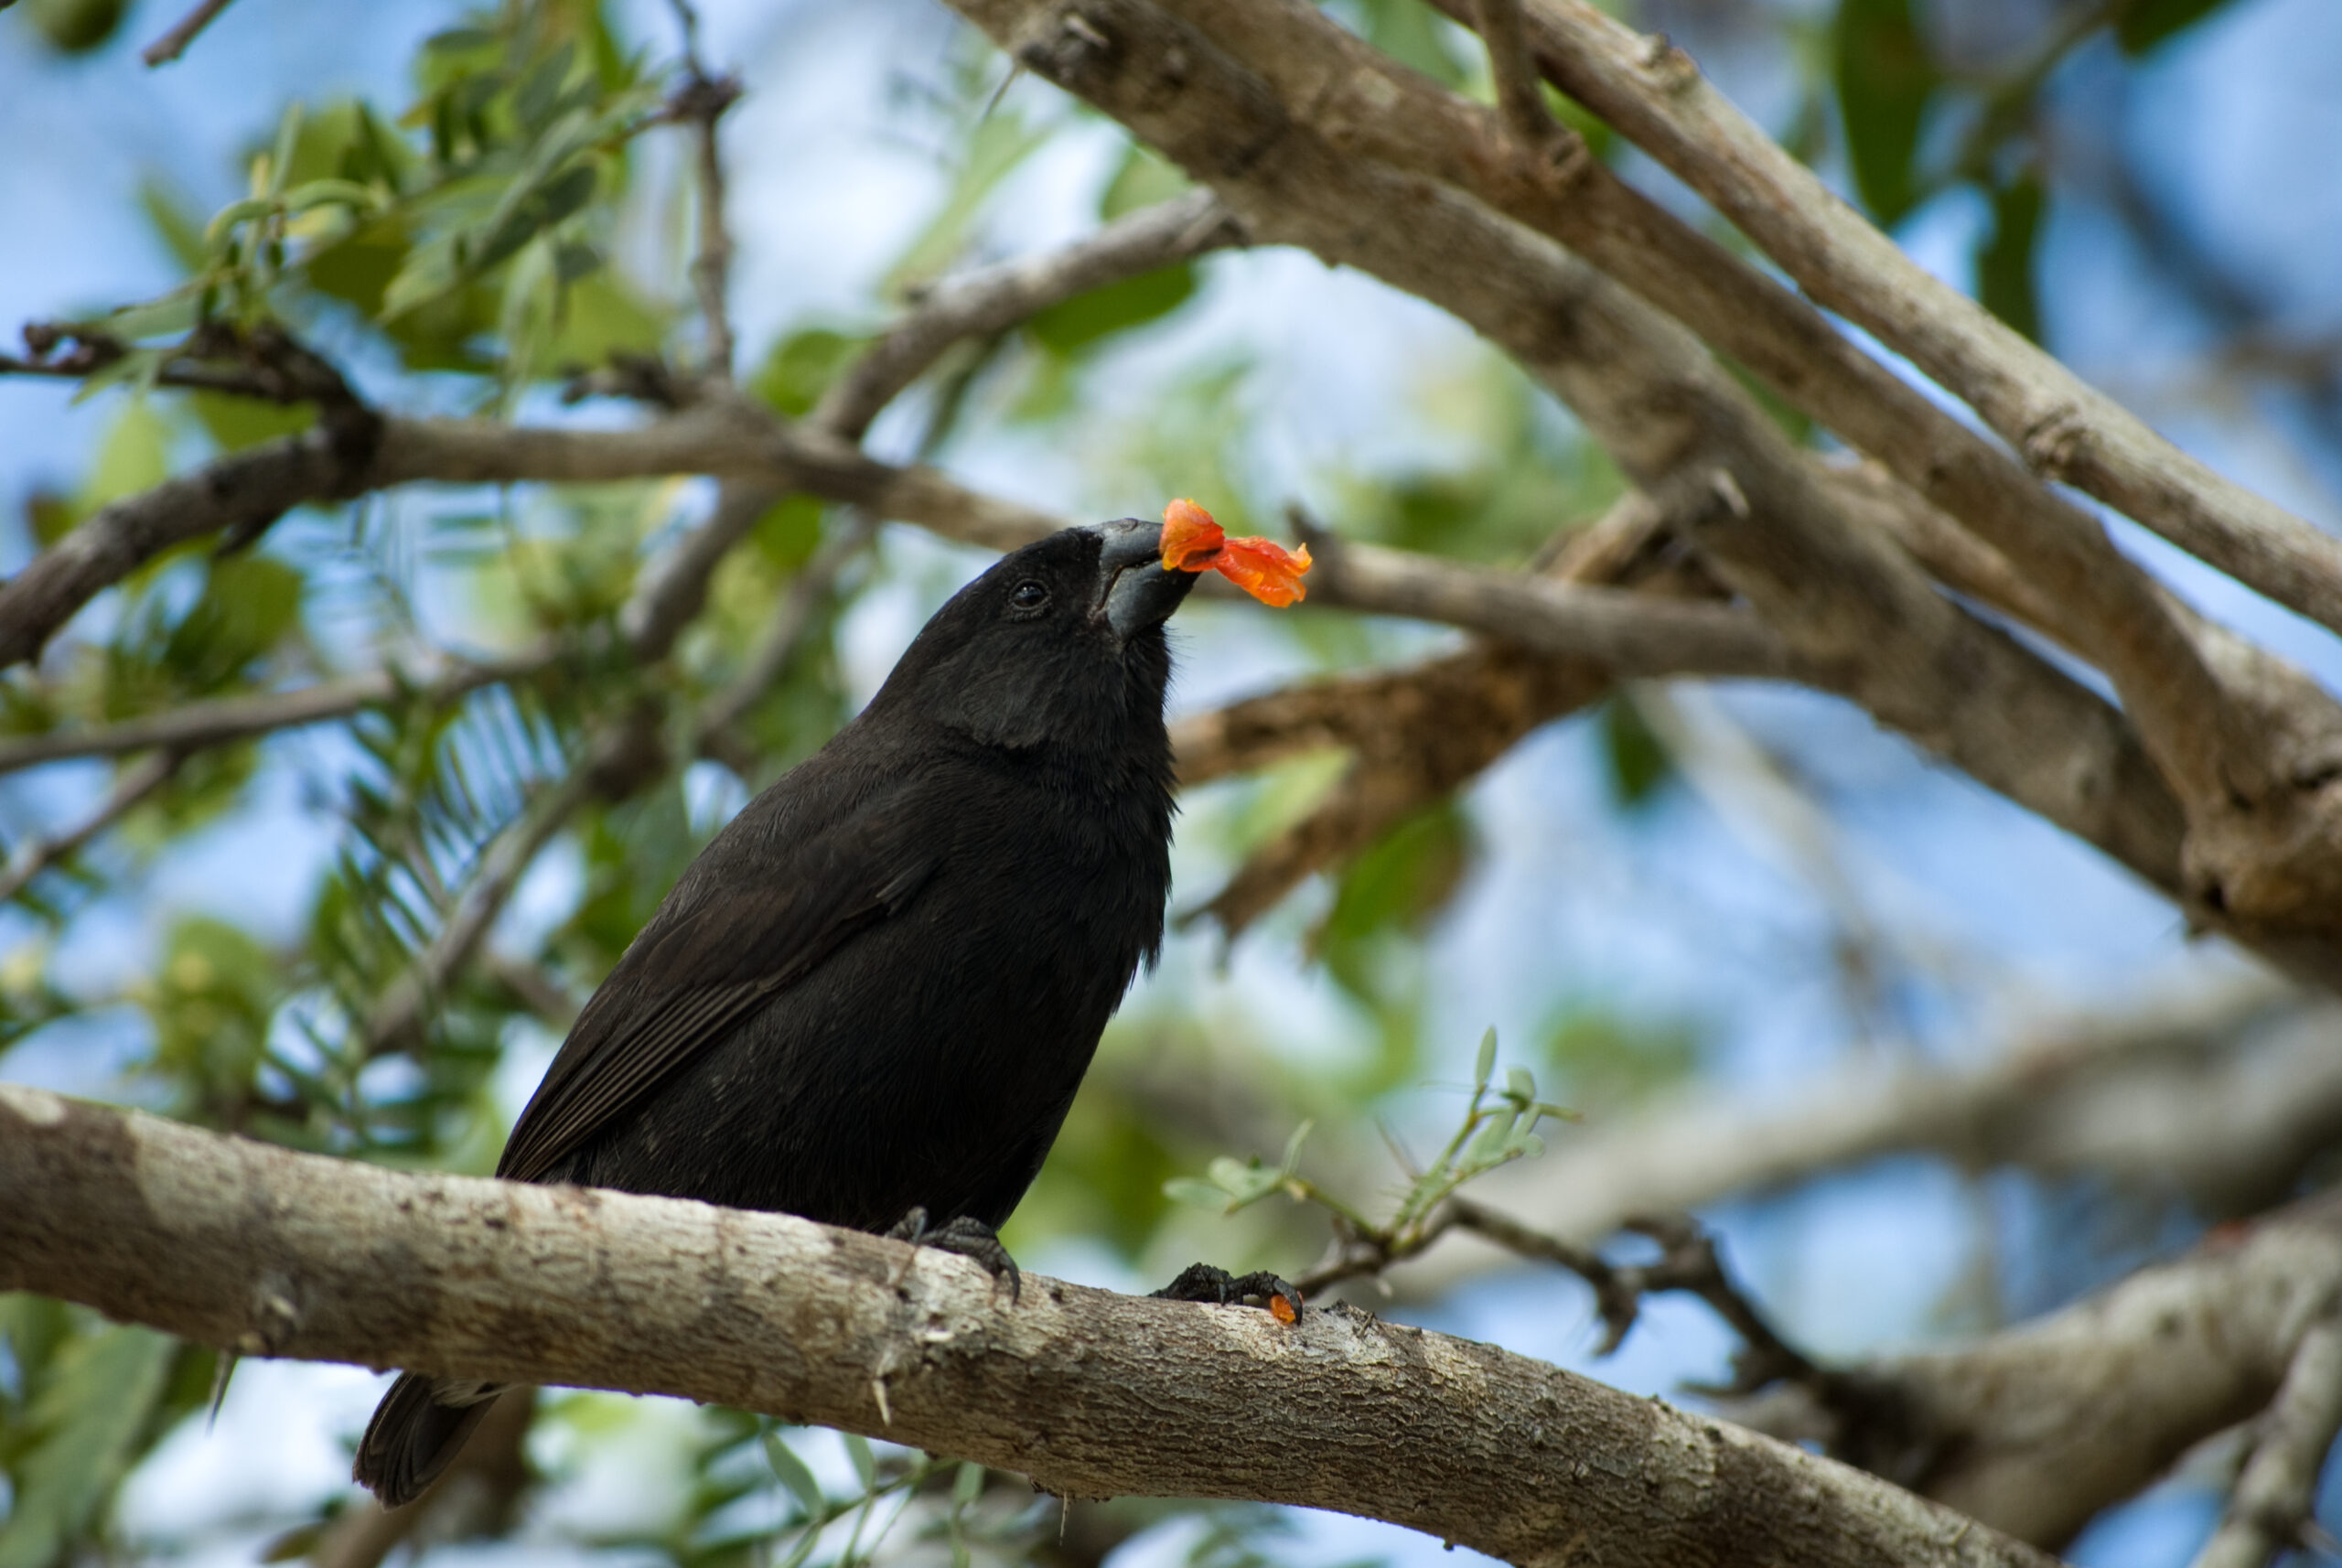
969, 1237
1206, 1282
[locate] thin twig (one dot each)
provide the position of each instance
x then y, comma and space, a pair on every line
223, 720
135, 784
2270, 1511
702, 100
792, 618
397, 1019
1520, 91
993, 299
173, 44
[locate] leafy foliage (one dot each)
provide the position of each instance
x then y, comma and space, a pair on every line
467, 250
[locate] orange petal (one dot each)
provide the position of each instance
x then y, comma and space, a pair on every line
1284, 1309
1191, 539
1266, 570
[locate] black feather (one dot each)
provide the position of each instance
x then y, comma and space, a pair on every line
879, 987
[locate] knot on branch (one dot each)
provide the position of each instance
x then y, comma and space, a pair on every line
701, 98
2057, 443
633, 376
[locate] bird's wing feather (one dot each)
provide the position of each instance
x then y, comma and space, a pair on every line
695, 973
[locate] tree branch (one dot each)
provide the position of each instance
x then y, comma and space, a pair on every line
1656, 96
224, 720
2014, 1428
1520, 95
1870, 623
2271, 1509
1365, 104
700, 102
279, 1254
173, 44
240, 494
2124, 1100
993, 299
135, 784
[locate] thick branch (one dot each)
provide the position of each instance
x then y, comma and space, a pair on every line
1871, 623
237, 494
273, 1252
2014, 1428
1656, 96
1646, 636
1364, 103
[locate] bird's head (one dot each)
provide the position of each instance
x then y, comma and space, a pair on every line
1060, 643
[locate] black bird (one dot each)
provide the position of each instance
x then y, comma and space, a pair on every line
871, 999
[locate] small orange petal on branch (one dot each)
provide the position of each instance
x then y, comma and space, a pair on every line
1283, 1308
1261, 567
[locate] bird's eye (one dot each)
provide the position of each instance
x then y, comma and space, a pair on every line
1028, 596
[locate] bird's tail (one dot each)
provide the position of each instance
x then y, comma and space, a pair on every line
416, 1433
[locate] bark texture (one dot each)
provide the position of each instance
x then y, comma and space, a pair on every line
277, 1254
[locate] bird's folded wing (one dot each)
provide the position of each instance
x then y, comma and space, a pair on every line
700, 967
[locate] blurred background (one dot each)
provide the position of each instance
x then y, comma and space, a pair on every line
1727, 900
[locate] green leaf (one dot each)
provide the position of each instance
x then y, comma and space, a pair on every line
800, 368
180, 229
1486, 1146
1884, 77
998, 144
792, 1473
1246, 1181
1199, 1194
602, 313
1073, 325
1292, 1161
807, 1539
236, 422
1484, 1065
866, 1463
75, 26
101, 1391
1410, 33
2004, 260
969, 1484
1396, 886
132, 458
1144, 179
170, 315
1638, 763
2146, 23
1520, 1086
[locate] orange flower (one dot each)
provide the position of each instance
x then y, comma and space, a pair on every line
1191, 540
1262, 568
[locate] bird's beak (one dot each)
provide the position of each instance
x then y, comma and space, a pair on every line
1135, 592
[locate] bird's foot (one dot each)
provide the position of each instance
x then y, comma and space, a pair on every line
1202, 1282
967, 1237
